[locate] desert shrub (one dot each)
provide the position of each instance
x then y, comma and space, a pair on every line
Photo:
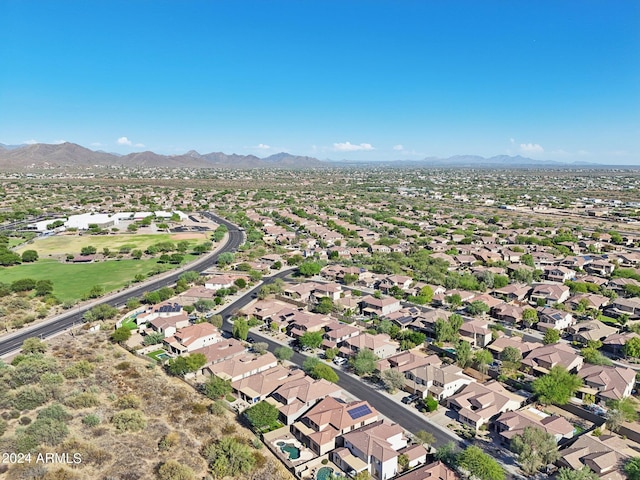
229, 429
172, 470
82, 400
217, 408
128, 401
51, 384
48, 431
26, 443
229, 457
199, 408
29, 398
55, 412
81, 369
24, 421
61, 474
171, 439
30, 368
3, 427
129, 421
123, 366
91, 420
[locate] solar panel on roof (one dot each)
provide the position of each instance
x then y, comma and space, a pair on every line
358, 412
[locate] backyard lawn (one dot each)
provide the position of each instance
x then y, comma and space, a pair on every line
157, 355
130, 324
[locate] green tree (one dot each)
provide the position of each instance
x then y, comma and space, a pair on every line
463, 354
482, 359
551, 336
447, 453
88, 250
33, 345
309, 268
261, 415
511, 359
44, 287
425, 438
594, 357
631, 348
204, 305
225, 258
153, 338
240, 329
529, 317
620, 411
427, 293
480, 465
29, 256
100, 312
585, 473
23, 285
632, 468
121, 335
215, 387
322, 370
311, 339
283, 353
454, 300
55, 412
477, 307
535, 448
557, 386
191, 363
324, 306
310, 363
364, 362
260, 347
172, 470
392, 380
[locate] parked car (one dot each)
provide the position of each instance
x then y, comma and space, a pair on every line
339, 360
409, 399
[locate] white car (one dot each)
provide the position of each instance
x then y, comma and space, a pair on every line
339, 360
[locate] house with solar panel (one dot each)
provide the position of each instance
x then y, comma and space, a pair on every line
162, 310
330, 418
375, 448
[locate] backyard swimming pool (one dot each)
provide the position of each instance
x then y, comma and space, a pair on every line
291, 450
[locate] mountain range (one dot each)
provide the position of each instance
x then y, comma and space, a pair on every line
71, 155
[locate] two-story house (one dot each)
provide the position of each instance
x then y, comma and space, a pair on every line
372, 306
545, 294
297, 396
193, 337
330, 418
381, 345
607, 382
376, 446
478, 404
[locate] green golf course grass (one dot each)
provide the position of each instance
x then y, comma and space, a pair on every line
72, 281
72, 244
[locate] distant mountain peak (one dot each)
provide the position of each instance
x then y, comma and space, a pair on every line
72, 155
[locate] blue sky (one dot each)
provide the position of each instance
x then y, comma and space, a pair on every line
376, 80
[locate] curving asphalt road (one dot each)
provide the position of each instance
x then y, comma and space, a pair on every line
12, 343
